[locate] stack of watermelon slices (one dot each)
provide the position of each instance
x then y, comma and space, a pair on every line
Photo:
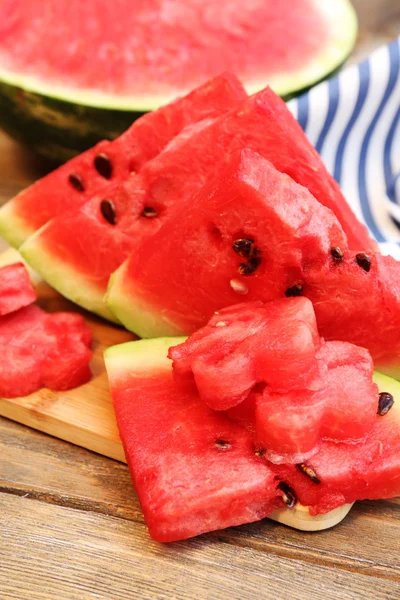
38, 349
239, 431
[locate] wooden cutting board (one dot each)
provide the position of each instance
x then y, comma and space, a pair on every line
84, 416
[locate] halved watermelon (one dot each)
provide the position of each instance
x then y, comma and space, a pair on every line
43, 350
195, 470
255, 234
16, 289
96, 171
86, 247
73, 74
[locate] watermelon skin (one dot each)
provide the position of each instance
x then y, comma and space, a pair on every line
207, 475
16, 289
40, 350
250, 200
54, 194
60, 101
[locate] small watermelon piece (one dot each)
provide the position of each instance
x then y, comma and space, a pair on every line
16, 289
291, 426
369, 470
193, 469
95, 171
43, 350
357, 299
130, 213
249, 344
287, 230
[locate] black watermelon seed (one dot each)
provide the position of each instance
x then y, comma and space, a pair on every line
259, 452
103, 165
337, 254
250, 267
385, 403
149, 212
243, 247
363, 261
311, 474
295, 290
76, 182
222, 445
289, 496
108, 211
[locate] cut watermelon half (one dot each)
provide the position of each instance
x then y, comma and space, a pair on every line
16, 289
43, 350
87, 246
195, 470
96, 171
73, 74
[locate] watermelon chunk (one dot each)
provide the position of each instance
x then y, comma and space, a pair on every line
193, 469
16, 289
289, 232
43, 350
95, 171
249, 344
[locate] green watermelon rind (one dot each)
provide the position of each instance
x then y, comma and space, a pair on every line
60, 122
12, 228
64, 278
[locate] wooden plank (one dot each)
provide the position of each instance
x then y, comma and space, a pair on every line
49, 470
56, 552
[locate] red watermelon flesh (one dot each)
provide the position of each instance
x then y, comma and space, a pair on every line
360, 306
191, 268
42, 350
291, 426
79, 180
16, 289
248, 344
193, 469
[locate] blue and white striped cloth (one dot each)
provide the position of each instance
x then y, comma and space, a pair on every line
353, 120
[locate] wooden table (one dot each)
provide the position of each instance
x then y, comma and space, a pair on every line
71, 527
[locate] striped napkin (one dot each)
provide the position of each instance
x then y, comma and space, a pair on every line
353, 120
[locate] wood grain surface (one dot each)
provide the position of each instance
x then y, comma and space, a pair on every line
71, 527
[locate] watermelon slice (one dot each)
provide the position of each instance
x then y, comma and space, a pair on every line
96, 171
257, 235
73, 73
43, 350
195, 470
206, 268
16, 289
115, 225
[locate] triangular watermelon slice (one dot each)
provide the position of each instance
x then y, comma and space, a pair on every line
87, 246
98, 169
255, 234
